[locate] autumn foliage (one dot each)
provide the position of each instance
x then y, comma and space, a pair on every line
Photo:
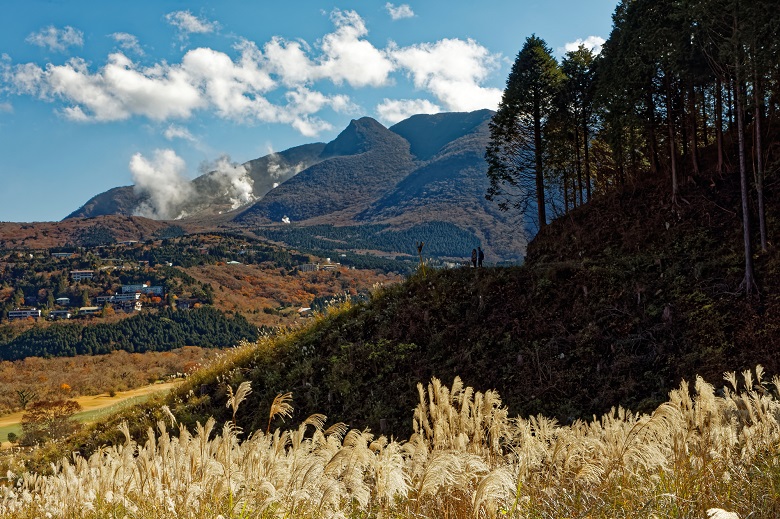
49, 420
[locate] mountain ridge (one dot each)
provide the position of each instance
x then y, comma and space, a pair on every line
427, 168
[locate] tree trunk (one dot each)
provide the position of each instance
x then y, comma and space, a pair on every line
632, 153
759, 160
585, 147
684, 137
578, 162
749, 280
719, 123
652, 140
730, 103
672, 150
539, 171
704, 105
694, 129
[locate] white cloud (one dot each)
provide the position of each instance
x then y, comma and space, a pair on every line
452, 70
238, 87
116, 92
188, 23
593, 43
162, 180
392, 111
234, 89
349, 58
400, 12
289, 61
128, 42
205, 79
6, 108
302, 103
178, 132
25, 79
345, 56
56, 39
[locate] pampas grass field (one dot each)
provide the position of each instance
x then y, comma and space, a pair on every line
703, 453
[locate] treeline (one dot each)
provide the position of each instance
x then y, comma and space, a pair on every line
371, 262
680, 89
168, 329
442, 239
190, 251
95, 236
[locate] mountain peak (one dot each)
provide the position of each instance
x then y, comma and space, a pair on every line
359, 137
428, 134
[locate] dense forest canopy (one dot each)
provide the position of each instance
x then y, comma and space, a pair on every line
681, 90
163, 331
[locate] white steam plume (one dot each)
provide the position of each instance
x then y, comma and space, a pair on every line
277, 169
233, 180
161, 180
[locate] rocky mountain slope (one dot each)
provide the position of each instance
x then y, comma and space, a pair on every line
363, 162
214, 192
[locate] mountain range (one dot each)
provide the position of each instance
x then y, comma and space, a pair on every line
426, 172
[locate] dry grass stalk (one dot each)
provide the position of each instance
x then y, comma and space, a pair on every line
281, 406
700, 454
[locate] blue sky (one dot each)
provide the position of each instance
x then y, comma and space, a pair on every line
97, 94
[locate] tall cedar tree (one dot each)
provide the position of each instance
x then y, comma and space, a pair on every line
576, 100
515, 152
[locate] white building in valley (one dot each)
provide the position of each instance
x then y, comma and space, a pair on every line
78, 275
24, 314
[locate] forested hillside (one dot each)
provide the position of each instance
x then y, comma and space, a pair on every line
162, 331
441, 239
617, 303
681, 93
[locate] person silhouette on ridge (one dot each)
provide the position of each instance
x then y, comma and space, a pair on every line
480, 257
474, 257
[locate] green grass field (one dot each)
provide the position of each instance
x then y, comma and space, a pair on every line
14, 428
83, 417
97, 414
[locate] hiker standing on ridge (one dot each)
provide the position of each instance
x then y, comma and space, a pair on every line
474, 257
480, 257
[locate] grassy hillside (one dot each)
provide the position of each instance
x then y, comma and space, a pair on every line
616, 304
707, 456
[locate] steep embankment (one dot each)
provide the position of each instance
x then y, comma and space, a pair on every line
617, 303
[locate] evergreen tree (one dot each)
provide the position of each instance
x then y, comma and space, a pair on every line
515, 152
84, 298
576, 106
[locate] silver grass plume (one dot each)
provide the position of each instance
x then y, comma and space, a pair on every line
235, 399
280, 407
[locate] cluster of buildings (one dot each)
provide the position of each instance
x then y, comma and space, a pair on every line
24, 313
55, 315
78, 275
314, 267
128, 301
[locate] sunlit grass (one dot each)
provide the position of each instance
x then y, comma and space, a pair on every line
703, 453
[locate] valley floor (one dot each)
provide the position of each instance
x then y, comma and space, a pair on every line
89, 406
